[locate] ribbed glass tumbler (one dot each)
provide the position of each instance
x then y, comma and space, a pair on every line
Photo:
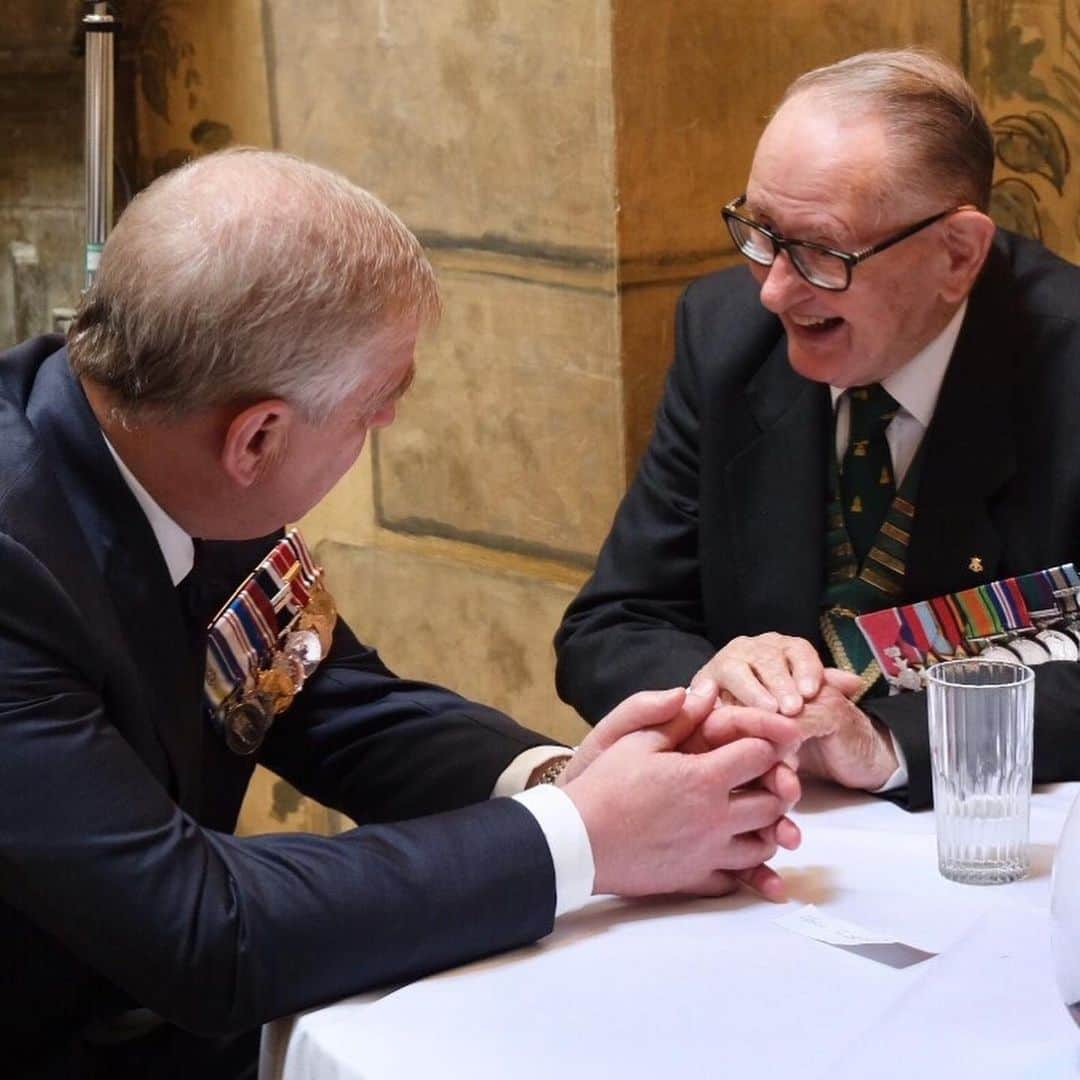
981, 736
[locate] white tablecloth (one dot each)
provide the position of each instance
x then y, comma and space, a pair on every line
715, 988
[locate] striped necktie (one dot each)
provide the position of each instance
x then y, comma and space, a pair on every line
867, 486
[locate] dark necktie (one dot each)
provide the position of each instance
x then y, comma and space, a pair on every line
867, 486
200, 592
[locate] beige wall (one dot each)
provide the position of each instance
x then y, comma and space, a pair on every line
565, 165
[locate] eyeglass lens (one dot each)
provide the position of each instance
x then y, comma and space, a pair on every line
818, 267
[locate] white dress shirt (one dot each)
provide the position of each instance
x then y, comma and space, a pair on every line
915, 388
553, 809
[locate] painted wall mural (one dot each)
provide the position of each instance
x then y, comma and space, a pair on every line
202, 82
1024, 62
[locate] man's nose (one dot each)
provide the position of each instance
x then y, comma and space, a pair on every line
783, 285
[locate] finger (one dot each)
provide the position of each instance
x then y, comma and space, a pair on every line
717, 883
783, 781
765, 881
704, 686
806, 666
747, 850
740, 681
726, 724
753, 809
788, 834
847, 682
817, 722
679, 732
644, 709
700, 701
701, 697
736, 764
771, 668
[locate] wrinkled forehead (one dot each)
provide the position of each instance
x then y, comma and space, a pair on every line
815, 161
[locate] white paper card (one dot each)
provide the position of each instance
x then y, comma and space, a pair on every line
812, 922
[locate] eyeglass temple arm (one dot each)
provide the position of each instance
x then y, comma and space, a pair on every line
859, 256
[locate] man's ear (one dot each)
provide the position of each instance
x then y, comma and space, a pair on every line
968, 236
255, 439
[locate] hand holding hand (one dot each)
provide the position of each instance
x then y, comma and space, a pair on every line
648, 708
662, 821
771, 671
843, 743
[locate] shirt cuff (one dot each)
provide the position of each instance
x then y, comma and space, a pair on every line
516, 775
571, 851
900, 777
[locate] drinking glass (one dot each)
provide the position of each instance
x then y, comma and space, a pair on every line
981, 739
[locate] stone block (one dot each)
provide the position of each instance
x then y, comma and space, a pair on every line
511, 434
483, 631
488, 122
58, 235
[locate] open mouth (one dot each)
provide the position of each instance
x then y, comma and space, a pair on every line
816, 326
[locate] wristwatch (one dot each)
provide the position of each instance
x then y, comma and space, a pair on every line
553, 771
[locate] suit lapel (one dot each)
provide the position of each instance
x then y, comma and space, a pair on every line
778, 483
970, 452
144, 602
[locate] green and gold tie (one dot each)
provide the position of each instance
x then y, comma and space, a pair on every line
867, 485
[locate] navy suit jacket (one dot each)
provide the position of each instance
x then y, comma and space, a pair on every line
120, 883
722, 532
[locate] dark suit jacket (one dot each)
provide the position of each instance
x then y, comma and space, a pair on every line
119, 880
722, 531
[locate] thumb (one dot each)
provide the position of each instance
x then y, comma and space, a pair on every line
644, 709
697, 705
847, 682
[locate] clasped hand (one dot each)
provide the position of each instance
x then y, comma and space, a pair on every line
678, 795
785, 674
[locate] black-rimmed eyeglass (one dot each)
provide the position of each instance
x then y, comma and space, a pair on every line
824, 267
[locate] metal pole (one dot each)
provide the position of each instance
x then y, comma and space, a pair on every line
100, 27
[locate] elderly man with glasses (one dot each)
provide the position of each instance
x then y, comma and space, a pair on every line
881, 407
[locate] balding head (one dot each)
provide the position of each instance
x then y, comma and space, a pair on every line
938, 150
244, 275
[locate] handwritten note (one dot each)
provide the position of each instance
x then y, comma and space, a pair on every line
882, 947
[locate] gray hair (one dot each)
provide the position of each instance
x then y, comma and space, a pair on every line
243, 275
937, 130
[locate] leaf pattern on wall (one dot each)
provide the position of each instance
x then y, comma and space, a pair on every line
160, 53
1033, 143
1026, 68
1014, 205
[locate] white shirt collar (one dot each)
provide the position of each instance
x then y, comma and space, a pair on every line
916, 385
177, 548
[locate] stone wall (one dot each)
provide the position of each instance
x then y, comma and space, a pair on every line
41, 180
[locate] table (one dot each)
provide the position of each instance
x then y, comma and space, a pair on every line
663, 989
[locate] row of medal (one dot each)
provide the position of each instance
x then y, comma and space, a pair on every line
265, 643
1061, 643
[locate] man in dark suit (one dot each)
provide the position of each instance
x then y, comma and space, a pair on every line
761, 520
252, 319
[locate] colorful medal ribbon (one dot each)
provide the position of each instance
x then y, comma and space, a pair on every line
1000, 616
265, 642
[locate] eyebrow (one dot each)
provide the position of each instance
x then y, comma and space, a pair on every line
825, 237
393, 393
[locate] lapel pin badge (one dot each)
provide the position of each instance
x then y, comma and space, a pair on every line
975, 564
